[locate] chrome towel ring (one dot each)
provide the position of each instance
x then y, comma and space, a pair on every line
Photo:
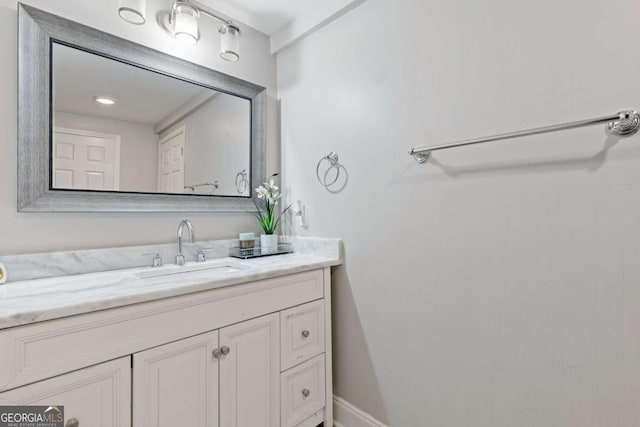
332, 159
339, 180
242, 181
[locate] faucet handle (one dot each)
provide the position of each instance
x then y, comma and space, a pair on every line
157, 260
200, 255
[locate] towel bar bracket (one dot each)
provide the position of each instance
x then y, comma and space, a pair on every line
422, 157
627, 124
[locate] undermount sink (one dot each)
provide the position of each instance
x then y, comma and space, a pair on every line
210, 267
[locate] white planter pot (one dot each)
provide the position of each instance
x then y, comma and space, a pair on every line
269, 242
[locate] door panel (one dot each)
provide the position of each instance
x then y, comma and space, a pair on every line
177, 384
171, 159
85, 160
250, 373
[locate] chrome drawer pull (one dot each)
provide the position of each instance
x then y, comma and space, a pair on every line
306, 392
73, 422
306, 333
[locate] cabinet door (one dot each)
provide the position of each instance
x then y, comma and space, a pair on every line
99, 396
250, 373
177, 384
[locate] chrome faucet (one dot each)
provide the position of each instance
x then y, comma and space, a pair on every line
183, 224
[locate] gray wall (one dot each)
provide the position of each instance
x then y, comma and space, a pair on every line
138, 148
496, 286
25, 233
218, 143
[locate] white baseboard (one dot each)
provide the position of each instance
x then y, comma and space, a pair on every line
347, 415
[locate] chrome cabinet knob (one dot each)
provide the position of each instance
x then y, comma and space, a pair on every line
219, 352
306, 333
306, 392
72, 422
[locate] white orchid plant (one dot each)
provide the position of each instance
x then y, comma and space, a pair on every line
269, 196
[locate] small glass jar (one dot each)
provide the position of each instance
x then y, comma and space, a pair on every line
247, 240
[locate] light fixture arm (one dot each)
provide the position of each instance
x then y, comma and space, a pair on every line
225, 22
203, 10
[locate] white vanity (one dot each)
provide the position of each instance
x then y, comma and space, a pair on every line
243, 343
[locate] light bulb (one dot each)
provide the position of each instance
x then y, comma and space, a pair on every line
185, 23
132, 11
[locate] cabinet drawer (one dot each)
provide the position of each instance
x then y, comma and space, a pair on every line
303, 392
95, 396
302, 333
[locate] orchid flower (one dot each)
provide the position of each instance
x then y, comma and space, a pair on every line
269, 194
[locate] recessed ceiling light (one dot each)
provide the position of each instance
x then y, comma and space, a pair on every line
104, 100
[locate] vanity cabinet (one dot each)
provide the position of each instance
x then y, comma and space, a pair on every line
256, 354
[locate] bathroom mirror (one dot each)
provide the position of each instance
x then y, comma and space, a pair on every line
117, 127
109, 125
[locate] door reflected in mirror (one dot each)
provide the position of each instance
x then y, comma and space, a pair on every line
118, 127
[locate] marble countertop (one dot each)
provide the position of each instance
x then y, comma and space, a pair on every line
38, 300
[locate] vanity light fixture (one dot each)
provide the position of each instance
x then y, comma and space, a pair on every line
132, 11
104, 100
181, 22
